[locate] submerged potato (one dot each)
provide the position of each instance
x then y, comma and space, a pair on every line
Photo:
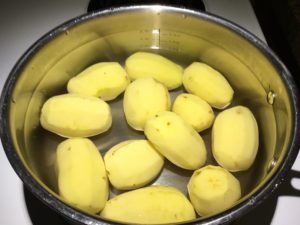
207, 83
235, 138
73, 115
144, 98
193, 110
132, 164
105, 80
176, 140
213, 189
143, 64
82, 180
150, 205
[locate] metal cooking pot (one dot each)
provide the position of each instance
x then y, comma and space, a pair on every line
260, 80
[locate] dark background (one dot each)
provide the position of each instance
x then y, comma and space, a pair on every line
280, 23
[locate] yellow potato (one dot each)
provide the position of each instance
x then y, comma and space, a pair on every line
195, 111
176, 140
106, 80
82, 180
207, 83
213, 189
73, 115
150, 205
235, 138
132, 164
144, 98
143, 64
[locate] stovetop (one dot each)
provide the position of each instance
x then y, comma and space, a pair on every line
23, 22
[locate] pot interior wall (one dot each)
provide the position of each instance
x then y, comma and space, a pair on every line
182, 37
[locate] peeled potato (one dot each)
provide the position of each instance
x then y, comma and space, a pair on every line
150, 205
143, 64
82, 180
207, 83
73, 115
106, 80
235, 138
144, 98
176, 140
132, 164
213, 189
193, 110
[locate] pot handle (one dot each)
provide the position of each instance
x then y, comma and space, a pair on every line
286, 188
102, 4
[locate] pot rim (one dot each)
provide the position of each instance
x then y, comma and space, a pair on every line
78, 216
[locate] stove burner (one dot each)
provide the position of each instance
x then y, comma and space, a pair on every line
101, 4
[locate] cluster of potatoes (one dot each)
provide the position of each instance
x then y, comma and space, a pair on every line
171, 132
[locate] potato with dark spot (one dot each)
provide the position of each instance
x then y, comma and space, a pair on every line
176, 140
144, 98
213, 189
